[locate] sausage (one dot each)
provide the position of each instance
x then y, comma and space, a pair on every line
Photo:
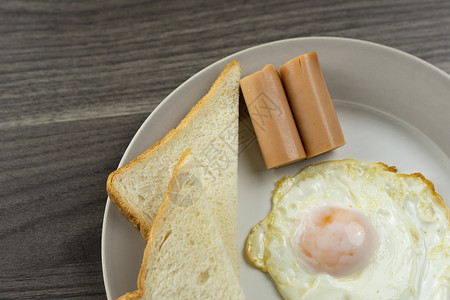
272, 118
311, 104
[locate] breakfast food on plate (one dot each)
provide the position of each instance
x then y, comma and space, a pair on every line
272, 118
210, 130
185, 257
355, 230
293, 117
311, 104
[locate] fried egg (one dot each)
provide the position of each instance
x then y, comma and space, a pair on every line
355, 230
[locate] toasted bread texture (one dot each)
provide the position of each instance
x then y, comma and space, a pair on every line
185, 257
210, 130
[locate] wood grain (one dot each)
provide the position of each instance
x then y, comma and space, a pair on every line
77, 78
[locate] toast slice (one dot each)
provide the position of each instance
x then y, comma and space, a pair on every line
185, 257
210, 130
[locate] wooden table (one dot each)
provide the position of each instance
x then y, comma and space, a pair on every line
77, 79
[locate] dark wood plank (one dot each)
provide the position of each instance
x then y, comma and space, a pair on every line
53, 198
77, 78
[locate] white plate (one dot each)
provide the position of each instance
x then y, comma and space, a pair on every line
393, 107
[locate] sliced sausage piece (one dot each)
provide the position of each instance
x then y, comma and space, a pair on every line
311, 104
272, 118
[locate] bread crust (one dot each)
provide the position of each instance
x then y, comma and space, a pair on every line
164, 212
112, 191
158, 220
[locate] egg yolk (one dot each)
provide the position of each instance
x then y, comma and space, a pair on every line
337, 241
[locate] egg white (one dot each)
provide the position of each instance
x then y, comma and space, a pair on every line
412, 257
